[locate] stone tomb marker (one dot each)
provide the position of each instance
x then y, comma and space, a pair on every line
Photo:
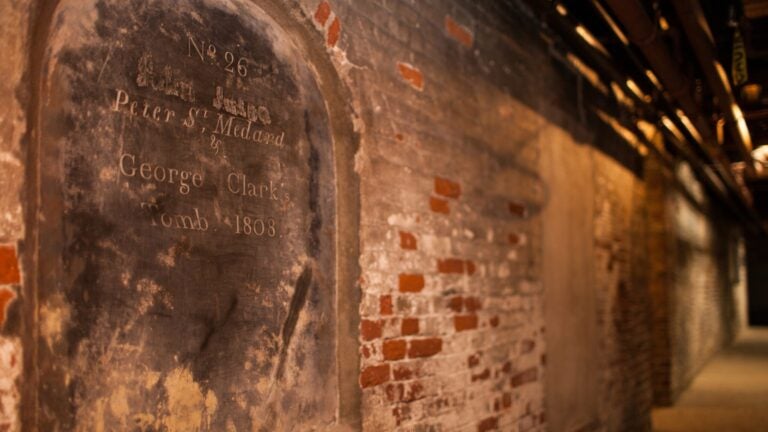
186, 245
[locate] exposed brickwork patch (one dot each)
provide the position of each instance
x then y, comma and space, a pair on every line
394, 349
425, 347
488, 424
322, 13
465, 322
447, 188
525, 377
438, 205
518, 209
374, 375
411, 283
407, 241
409, 326
7, 296
385, 305
9, 265
450, 265
370, 330
334, 32
458, 32
412, 75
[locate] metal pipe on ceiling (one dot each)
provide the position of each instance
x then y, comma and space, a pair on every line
644, 33
699, 35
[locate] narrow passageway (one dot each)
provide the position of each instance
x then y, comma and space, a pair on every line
730, 393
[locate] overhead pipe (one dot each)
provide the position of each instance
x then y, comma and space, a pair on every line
699, 35
644, 33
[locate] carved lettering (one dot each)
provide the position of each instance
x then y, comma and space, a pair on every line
154, 172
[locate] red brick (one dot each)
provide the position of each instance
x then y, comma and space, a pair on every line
323, 12
518, 209
425, 347
411, 282
374, 375
488, 424
414, 392
334, 31
385, 305
407, 240
447, 188
450, 265
470, 267
7, 296
472, 304
494, 321
438, 205
409, 326
402, 373
394, 349
399, 137
506, 400
514, 239
527, 345
473, 360
484, 375
370, 330
458, 32
412, 75
455, 303
9, 265
507, 367
366, 351
527, 376
465, 322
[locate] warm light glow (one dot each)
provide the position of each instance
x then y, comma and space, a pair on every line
670, 125
722, 75
636, 90
561, 9
663, 23
621, 96
688, 125
623, 132
742, 126
651, 76
611, 23
587, 36
587, 72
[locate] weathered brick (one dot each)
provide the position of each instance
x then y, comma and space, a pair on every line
465, 322
9, 265
494, 321
473, 360
374, 375
470, 265
412, 75
411, 283
322, 13
514, 239
447, 188
425, 347
438, 205
456, 303
527, 376
484, 375
334, 32
370, 330
527, 345
472, 304
407, 241
450, 265
385, 305
518, 209
409, 326
458, 32
7, 295
506, 400
490, 423
402, 373
394, 349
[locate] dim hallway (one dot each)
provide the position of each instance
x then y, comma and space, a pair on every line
730, 393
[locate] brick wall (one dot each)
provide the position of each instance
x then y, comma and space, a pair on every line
14, 16
697, 282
